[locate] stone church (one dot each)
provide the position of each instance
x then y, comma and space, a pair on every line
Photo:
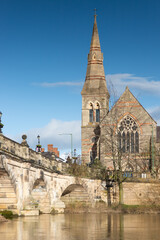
126, 131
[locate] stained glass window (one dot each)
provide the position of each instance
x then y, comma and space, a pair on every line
128, 136
123, 142
136, 142
128, 142
132, 142
119, 141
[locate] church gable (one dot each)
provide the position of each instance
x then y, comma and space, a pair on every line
126, 131
127, 127
127, 104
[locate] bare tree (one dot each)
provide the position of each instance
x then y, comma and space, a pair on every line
121, 136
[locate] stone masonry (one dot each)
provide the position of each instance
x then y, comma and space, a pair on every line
126, 129
29, 183
94, 96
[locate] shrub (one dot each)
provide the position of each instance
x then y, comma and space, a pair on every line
7, 214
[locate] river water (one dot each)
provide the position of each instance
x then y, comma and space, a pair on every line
82, 227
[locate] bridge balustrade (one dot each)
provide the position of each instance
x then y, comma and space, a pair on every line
15, 149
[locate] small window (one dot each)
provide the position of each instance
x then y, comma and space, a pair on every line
91, 156
128, 142
132, 142
91, 115
97, 115
91, 112
119, 142
128, 174
124, 140
136, 142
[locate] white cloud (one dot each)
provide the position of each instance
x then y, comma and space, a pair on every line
120, 80
49, 134
146, 84
59, 84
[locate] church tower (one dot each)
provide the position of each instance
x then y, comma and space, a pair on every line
95, 100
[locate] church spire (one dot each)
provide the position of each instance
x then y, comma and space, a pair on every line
95, 43
95, 100
95, 76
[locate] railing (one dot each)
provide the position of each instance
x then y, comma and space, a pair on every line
8, 146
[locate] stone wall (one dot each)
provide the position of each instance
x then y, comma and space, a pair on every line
141, 193
136, 193
30, 199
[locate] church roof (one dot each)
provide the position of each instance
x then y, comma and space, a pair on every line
126, 100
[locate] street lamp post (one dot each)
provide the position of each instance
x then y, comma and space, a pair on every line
70, 134
152, 152
38, 145
1, 125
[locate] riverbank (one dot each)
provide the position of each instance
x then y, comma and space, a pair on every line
5, 215
3, 219
101, 207
82, 207
98, 207
137, 209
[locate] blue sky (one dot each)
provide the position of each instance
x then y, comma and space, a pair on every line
43, 59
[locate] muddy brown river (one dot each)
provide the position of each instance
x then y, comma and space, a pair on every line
82, 227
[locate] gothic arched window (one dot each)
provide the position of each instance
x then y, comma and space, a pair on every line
128, 142
123, 142
136, 142
97, 113
119, 141
132, 142
91, 113
128, 136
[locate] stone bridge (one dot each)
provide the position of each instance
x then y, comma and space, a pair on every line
31, 182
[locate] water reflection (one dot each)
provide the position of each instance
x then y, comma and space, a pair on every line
82, 227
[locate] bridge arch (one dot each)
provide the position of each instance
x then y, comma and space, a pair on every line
40, 195
10, 171
8, 196
75, 193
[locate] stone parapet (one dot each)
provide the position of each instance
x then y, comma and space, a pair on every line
23, 153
